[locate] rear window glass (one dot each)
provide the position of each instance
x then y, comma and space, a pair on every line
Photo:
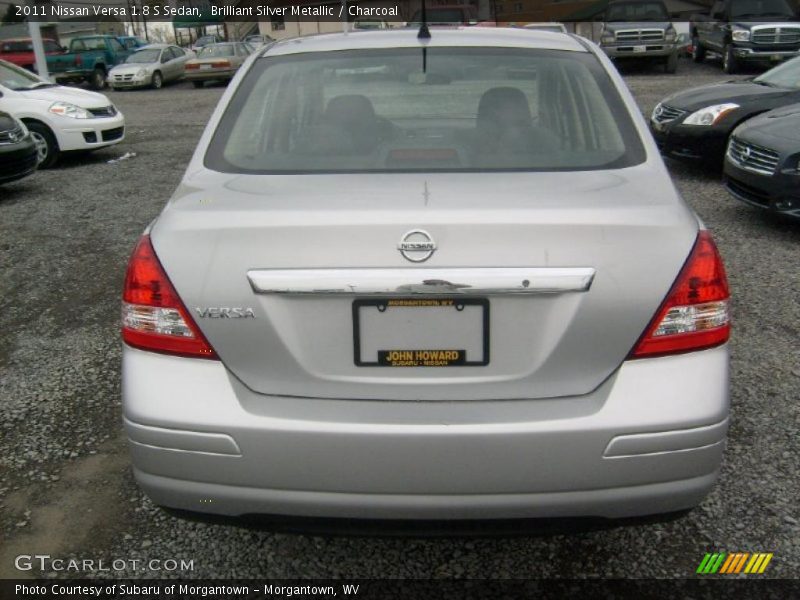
447, 109
216, 50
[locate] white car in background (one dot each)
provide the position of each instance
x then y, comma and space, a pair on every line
60, 118
152, 66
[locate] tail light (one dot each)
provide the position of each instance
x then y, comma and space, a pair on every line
192, 66
153, 315
78, 61
695, 314
221, 64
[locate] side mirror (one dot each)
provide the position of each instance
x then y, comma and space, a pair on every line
64, 49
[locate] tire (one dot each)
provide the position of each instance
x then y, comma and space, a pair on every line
46, 144
198, 84
157, 81
98, 79
698, 52
730, 64
671, 64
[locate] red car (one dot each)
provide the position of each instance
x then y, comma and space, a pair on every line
19, 51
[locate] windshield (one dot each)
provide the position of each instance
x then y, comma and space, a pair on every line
216, 50
637, 11
471, 109
760, 8
144, 56
19, 80
786, 75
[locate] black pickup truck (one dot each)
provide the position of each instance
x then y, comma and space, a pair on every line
746, 31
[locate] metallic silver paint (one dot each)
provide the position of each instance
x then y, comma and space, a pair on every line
558, 424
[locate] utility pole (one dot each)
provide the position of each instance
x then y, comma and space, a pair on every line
38, 47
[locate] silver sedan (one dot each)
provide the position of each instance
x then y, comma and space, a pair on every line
152, 66
438, 278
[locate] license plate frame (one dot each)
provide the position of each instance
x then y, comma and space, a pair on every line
639, 49
382, 361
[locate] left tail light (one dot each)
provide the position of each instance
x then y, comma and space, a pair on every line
153, 315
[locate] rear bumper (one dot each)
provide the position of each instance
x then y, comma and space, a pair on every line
648, 440
210, 74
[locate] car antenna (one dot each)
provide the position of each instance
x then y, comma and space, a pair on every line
424, 32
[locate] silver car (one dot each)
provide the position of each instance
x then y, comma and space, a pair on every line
152, 66
442, 278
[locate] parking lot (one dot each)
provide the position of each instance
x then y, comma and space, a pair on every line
65, 484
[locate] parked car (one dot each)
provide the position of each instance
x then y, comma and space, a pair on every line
762, 164
18, 156
746, 31
152, 66
204, 41
554, 27
132, 42
635, 30
60, 119
89, 59
683, 43
258, 40
694, 125
217, 62
19, 51
410, 304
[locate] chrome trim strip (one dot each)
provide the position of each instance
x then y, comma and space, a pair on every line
370, 282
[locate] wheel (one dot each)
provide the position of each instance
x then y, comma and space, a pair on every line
157, 81
46, 144
197, 84
671, 64
698, 52
98, 79
730, 63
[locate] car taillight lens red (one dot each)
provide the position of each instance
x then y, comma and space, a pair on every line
695, 313
191, 66
153, 315
220, 64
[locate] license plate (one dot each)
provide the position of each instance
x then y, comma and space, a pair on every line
776, 58
205, 66
640, 48
421, 332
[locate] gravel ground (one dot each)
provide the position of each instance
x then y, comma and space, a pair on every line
65, 484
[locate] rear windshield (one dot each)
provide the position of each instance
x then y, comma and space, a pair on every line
216, 50
446, 109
